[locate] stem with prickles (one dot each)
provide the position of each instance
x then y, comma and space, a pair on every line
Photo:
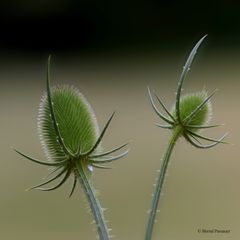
95, 206
159, 184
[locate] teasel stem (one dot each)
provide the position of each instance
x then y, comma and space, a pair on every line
94, 203
160, 180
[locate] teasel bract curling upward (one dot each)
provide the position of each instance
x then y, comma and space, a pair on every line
71, 139
190, 113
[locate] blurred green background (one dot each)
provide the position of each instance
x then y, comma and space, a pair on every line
111, 51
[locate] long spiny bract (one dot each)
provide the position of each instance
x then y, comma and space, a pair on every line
50, 180
59, 163
97, 142
109, 159
65, 178
109, 152
164, 118
52, 115
186, 68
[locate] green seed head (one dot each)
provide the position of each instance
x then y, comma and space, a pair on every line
76, 121
190, 112
189, 103
70, 137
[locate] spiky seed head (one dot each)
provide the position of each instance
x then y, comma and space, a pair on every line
75, 119
189, 103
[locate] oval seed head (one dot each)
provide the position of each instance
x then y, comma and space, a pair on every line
189, 103
75, 119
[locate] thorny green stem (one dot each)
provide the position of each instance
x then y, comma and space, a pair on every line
159, 184
94, 203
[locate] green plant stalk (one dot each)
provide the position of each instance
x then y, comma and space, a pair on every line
160, 180
94, 203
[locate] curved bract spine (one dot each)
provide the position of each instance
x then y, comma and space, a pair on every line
186, 68
52, 114
190, 114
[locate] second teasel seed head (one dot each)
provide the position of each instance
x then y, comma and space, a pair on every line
190, 113
189, 103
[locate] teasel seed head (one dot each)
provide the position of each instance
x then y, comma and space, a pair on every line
70, 135
191, 112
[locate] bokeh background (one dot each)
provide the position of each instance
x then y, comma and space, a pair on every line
111, 50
